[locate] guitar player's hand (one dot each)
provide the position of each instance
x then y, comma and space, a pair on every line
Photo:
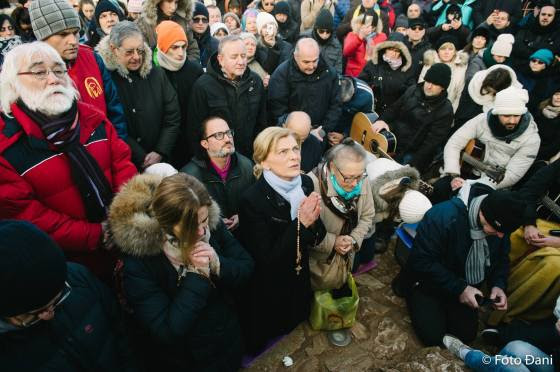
457, 183
547, 241
531, 233
379, 125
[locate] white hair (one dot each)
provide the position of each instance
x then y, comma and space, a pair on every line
21, 57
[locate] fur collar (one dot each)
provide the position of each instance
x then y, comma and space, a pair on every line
134, 229
431, 57
110, 60
185, 9
380, 184
378, 50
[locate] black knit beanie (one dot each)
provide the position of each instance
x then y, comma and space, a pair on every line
324, 21
281, 7
32, 268
200, 10
439, 74
503, 210
446, 39
107, 6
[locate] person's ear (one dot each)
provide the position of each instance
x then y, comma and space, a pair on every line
204, 144
220, 59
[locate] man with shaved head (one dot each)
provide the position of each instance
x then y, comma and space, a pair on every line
306, 83
311, 148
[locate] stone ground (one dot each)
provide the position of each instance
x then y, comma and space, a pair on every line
383, 339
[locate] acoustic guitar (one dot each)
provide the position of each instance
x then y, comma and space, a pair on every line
382, 144
472, 158
548, 207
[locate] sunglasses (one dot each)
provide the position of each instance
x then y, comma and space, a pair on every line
417, 28
200, 20
323, 31
537, 61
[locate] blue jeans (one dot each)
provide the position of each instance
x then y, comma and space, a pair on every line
515, 356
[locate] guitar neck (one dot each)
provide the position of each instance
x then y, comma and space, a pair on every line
424, 187
551, 205
495, 174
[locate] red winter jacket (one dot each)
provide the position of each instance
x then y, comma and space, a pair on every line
36, 184
355, 52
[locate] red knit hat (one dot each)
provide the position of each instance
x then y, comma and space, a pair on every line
168, 33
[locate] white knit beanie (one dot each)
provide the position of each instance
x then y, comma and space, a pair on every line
413, 206
161, 169
218, 26
264, 18
511, 101
503, 45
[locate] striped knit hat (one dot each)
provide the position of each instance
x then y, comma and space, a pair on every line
49, 17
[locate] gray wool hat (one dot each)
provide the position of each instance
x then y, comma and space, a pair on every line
49, 17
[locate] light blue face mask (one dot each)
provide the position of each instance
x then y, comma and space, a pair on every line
347, 195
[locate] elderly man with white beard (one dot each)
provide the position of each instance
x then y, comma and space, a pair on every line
60, 159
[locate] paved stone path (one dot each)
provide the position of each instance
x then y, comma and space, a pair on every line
383, 339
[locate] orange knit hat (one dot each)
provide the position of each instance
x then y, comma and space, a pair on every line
168, 33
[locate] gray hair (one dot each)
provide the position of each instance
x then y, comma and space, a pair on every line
247, 35
227, 40
305, 40
122, 31
21, 57
348, 149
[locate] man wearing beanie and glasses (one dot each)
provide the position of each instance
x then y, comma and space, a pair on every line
421, 118
509, 133
58, 24
460, 246
54, 315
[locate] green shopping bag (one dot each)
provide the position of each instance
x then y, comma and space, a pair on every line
328, 314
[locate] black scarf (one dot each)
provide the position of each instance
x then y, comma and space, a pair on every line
63, 132
501, 133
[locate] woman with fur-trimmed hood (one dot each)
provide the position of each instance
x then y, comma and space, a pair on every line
447, 52
156, 11
388, 71
180, 267
149, 100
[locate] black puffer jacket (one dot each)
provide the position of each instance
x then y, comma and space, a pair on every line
387, 84
188, 321
271, 57
227, 194
420, 123
85, 335
317, 94
241, 104
150, 105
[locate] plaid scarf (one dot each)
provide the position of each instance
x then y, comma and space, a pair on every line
63, 133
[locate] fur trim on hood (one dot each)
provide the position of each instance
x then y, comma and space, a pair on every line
110, 60
185, 9
431, 57
379, 185
377, 53
135, 231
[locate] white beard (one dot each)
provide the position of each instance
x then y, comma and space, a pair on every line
46, 101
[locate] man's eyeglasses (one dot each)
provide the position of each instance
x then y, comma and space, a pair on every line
537, 61
220, 135
130, 52
200, 20
63, 295
8, 28
417, 28
350, 179
58, 72
323, 31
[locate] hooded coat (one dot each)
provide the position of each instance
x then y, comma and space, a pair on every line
189, 323
387, 84
151, 16
420, 123
150, 104
289, 30
241, 104
516, 156
458, 70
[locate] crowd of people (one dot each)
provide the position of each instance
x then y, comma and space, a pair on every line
177, 177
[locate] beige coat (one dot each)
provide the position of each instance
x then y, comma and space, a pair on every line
309, 11
333, 223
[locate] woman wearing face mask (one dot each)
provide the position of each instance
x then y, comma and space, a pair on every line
106, 15
251, 46
538, 77
366, 33
149, 101
323, 33
271, 48
446, 52
347, 208
181, 266
279, 223
171, 55
179, 11
8, 37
